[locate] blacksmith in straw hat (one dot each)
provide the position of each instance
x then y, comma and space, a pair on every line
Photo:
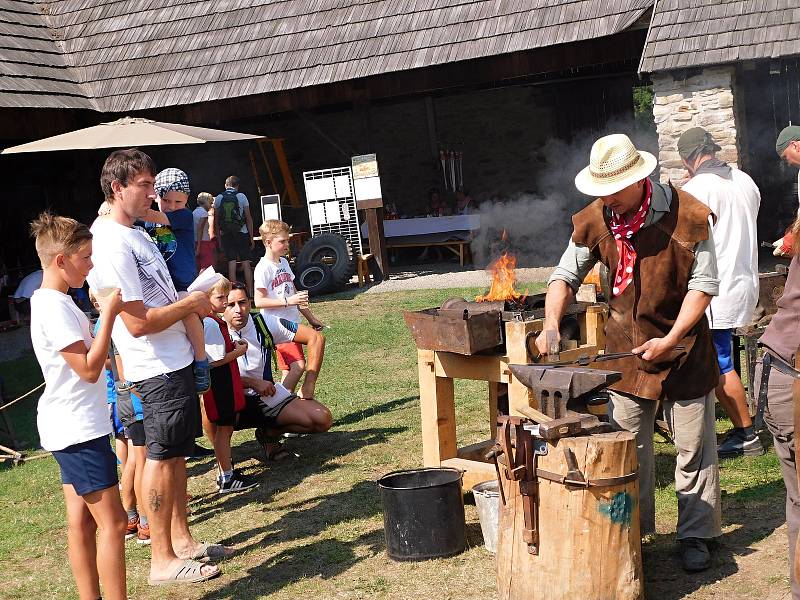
657, 245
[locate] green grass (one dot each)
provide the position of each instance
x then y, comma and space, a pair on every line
314, 526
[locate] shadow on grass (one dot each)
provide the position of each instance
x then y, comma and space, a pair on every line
316, 456
755, 512
377, 409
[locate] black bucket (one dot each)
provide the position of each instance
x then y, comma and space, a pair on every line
423, 513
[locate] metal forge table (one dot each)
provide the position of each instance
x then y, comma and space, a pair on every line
438, 370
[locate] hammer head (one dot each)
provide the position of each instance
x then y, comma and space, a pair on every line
555, 386
559, 428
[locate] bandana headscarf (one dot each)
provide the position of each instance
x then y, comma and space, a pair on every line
623, 231
171, 179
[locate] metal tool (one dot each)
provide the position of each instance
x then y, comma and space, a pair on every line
588, 359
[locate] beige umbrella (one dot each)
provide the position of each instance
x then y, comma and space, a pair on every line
128, 132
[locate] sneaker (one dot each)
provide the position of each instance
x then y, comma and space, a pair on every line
694, 555
237, 483
133, 527
736, 443
202, 376
143, 535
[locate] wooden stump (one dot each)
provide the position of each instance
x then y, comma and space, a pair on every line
589, 541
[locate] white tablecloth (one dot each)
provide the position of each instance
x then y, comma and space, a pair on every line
427, 225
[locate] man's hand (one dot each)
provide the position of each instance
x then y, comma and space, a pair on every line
201, 305
240, 347
654, 349
264, 388
252, 245
316, 323
541, 340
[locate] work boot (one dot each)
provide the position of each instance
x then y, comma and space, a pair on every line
694, 555
740, 442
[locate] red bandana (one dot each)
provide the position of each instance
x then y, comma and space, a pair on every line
623, 231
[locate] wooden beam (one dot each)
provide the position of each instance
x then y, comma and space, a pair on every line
438, 413
476, 451
286, 173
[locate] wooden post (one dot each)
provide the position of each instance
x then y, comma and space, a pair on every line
286, 173
494, 389
437, 405
377, 238
589, 541
518, 394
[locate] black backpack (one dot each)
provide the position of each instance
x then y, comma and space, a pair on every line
231, 219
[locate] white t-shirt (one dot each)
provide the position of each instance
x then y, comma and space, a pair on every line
198, 214
278, 281
253, 363
70, 410
127, 258
244, 206
735, 203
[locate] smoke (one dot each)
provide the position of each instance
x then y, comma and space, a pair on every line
538, 221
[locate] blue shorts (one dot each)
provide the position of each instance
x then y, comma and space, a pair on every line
723, 343
89, 466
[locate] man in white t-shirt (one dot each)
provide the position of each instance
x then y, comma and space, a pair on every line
271, 412
157, 358
233, 225
734, 199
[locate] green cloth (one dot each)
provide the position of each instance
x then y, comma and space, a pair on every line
787, 136
696, 141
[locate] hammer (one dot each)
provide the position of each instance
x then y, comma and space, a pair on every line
552, 429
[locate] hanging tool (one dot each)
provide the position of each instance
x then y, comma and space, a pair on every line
453, 169
443, 160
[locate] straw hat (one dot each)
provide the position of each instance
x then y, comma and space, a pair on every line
614, 164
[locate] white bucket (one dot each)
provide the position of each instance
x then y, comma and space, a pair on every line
487, 501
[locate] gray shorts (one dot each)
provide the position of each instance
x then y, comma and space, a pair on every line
170, 409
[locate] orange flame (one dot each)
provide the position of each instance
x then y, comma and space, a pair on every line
504, 277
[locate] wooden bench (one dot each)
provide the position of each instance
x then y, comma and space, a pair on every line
458, 247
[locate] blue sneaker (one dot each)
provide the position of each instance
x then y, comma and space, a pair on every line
202, 376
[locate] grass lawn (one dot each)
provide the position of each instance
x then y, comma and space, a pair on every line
314, 526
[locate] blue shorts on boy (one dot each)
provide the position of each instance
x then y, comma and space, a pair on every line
71, 411
89, 466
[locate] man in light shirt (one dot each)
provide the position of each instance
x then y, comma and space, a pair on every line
734, 199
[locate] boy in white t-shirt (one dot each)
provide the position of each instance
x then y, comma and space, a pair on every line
276, 295
73, 419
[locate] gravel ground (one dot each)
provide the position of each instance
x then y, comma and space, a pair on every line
448, 275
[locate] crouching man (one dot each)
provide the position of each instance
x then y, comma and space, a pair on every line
272, 412
657, 245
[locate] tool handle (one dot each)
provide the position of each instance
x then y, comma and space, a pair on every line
534, 414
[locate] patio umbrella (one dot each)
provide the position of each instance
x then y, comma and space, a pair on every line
128, 132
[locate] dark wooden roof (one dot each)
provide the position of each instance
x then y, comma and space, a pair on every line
688, 33
129, 56
33, 69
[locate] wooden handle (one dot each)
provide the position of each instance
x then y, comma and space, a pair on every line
534, 414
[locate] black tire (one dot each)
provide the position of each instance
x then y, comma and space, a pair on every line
331, 249
315, 277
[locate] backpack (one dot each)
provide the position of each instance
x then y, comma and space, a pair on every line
231, 219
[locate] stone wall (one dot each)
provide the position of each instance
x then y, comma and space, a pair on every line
704, 100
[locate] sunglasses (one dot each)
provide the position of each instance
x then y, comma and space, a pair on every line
238, 285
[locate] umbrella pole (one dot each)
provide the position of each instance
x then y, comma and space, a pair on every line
255, 173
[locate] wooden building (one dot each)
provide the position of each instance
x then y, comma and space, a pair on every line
495, 80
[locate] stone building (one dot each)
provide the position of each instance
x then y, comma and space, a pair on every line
731, 67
